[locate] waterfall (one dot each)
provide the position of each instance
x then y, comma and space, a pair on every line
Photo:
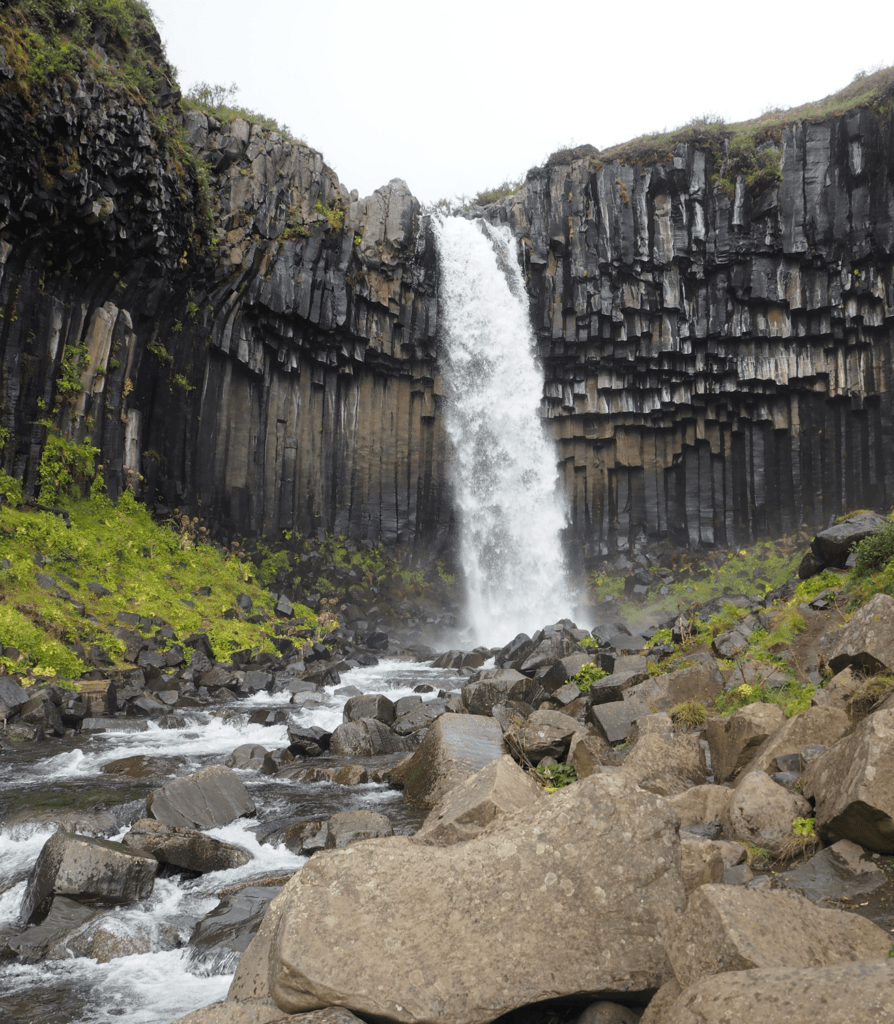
503, 468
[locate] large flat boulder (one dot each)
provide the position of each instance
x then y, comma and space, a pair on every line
92, 870
840, 994
853, 785
866, 642
498, 789
397, 931
211, 797
184, 848
454, 748
728, 928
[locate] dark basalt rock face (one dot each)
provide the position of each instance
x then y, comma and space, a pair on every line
718, 366
274, 369
718, 359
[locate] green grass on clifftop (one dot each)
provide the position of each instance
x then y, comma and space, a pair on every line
220, 101
47, 40
148, 568
751, 144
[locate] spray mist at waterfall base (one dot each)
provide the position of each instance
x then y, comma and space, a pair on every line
503, 467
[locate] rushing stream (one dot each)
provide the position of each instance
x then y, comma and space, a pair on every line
171, 978
504, 467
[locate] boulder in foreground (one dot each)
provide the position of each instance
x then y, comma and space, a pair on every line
866, 642
728, 928
761, 812
263, 1012
455, 748
841, 994
853, 783
597, 863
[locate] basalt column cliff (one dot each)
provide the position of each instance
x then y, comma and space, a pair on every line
208, 306
718, 350
241, 336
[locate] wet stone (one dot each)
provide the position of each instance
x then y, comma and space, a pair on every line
65, 917
93, 870
185, 848
222, 936
842, 871
211, 797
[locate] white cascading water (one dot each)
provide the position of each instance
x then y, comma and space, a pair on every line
162, 985
503, 468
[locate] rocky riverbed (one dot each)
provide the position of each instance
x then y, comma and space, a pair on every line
556, 812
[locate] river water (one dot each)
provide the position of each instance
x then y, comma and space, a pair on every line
160, 985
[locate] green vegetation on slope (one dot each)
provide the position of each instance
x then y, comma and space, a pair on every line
772, 648
146, 567
47, 40
750, 572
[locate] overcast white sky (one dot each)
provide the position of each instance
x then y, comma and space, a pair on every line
456, 97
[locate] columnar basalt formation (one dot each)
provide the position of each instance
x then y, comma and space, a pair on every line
718, 359
271, 370
717, 346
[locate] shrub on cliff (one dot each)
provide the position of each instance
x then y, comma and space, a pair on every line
874, 567
874, 553
220, 101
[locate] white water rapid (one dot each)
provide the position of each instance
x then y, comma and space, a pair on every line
504, 469
172, 976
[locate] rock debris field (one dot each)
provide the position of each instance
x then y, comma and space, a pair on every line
593, 848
